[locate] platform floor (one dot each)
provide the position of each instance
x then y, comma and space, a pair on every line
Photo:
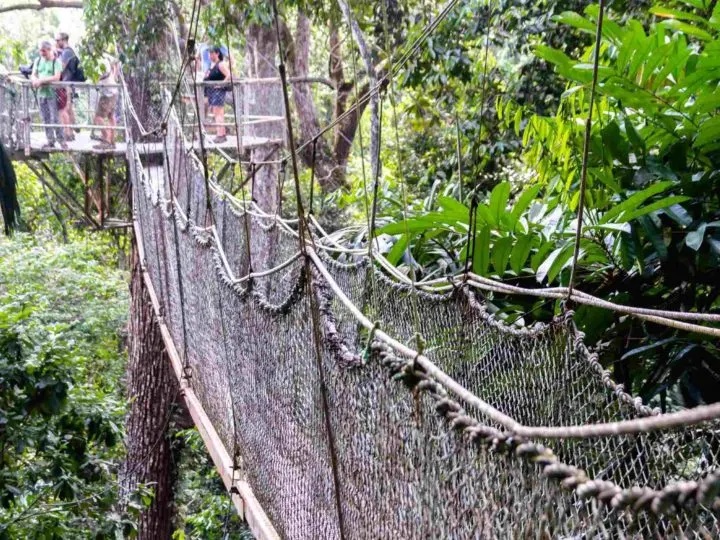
83, 144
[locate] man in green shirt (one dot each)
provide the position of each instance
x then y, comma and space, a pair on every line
47, 69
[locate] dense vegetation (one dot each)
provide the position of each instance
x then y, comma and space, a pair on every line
486, 119
63, 350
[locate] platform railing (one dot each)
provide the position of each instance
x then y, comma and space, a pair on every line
28, 128
242, 116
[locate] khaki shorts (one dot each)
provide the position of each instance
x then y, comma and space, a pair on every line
106, 106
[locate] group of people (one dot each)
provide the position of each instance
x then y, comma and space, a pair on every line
59, 63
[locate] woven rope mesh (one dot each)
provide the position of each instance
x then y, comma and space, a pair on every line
370, 457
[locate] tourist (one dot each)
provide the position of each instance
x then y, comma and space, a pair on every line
216, 93
46, 70
107, 101
71, 72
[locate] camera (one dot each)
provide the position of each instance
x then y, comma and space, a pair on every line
26, 71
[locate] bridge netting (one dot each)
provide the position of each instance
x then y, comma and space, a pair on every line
413, 427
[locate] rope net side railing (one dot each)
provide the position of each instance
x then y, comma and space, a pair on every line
413, 457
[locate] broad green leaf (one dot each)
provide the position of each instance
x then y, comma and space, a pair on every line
635, 200
517, 122
431, 220
615, 143
526, 197
398, 249
498, 200
655, 236
657, 205
706, 103
520, 253
570, 91
576, 21
633, 136
714, 245
481, 258
554, 263
616, 227
485, 216
501, 254
678, 214
553, 56
454, 207
646, 348
662, 11
694, 239
688, 29
709, 132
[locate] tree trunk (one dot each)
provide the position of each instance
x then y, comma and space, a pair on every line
152, 390
264, 99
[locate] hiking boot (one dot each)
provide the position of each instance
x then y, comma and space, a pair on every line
220, 139
50, 145
64, 145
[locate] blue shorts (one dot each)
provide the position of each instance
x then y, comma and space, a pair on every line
216, 97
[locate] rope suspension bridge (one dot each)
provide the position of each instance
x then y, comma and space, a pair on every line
340, 398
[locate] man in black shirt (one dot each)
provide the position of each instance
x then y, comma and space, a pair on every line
69, 61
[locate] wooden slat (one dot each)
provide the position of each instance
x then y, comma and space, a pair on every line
244, 500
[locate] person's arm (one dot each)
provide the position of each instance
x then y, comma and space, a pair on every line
224, 70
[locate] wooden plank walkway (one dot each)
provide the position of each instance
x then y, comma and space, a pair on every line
83, 144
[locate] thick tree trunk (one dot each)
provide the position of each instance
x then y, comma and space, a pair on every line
152, 391
264, 99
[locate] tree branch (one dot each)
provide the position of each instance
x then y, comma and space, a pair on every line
374, 98
43, 4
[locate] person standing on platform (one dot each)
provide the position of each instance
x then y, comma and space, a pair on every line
107, 102
215, 92
46, 70
71, 72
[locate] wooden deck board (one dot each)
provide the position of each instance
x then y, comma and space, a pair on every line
83, 144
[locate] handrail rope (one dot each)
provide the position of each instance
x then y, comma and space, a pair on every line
687, 417
483, 282
586, 148
665, 421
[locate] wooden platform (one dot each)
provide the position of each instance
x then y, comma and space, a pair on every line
83, 144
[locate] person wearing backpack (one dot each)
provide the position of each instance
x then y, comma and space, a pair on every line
71, 72
46, 70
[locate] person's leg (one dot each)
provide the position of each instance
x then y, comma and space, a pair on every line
71, 108
219, 120
110, 133
52, 106
45, 114
65, 120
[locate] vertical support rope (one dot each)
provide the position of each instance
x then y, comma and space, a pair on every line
314, 308
312, 175
586, 149
376, 182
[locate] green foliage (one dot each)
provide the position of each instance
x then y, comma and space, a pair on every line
61, 411
203, 505
651, 233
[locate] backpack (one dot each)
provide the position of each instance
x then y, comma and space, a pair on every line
75, 70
